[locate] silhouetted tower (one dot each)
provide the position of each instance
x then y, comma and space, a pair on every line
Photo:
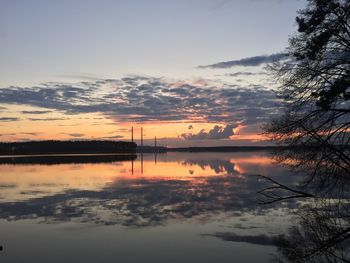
132, 134
155, 149
141, 137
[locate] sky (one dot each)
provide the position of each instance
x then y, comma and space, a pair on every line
191, 72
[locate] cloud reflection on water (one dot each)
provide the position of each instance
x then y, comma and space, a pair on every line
176, 187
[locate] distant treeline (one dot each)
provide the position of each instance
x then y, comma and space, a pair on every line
63, 147
223, 149
162, 149
151, 149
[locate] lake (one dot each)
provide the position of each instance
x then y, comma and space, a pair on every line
173, 207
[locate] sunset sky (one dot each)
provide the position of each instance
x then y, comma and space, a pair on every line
190, 72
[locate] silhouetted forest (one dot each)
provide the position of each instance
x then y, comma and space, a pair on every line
224, 149
61, 147
68, 159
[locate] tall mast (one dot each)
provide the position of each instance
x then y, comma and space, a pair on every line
141, 137
141, 150
132, 134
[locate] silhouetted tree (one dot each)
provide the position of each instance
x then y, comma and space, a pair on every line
314, 84
321, 235
315, 80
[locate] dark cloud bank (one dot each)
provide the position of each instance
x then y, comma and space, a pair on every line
244, 73
146, 99
248, 61
9, 119
35, 111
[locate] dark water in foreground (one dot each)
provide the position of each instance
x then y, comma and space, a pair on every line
175, 207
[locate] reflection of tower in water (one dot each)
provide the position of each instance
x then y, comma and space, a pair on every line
141, 163
132, 166
141, 149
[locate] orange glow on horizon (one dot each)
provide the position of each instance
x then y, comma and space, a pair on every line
91, 126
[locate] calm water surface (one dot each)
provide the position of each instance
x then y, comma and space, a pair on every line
174, 207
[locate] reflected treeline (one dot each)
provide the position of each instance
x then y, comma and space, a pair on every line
322, 229
325, 169
321, 234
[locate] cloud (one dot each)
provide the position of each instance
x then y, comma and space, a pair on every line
31, 133
8, 134
244, 73
76, 134
8, 119
47, 119
8, 186
147, 99
36, 111
114, 137
217, 165
248, 61
142, 202
120, 130
218, 132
